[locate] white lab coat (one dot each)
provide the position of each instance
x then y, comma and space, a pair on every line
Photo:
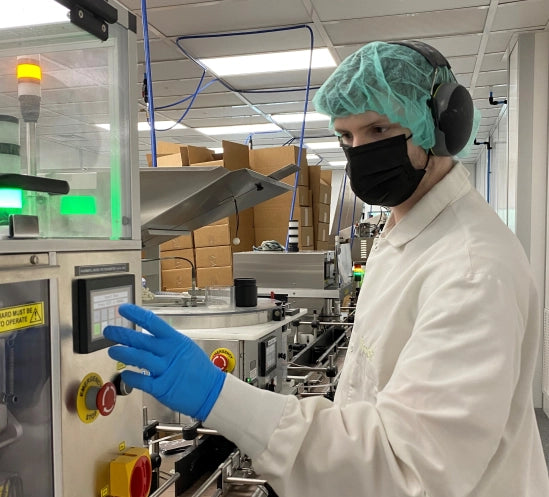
435, 396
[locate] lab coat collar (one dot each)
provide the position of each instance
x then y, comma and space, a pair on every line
453, 186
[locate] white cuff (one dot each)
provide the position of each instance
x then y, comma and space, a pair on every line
246, 415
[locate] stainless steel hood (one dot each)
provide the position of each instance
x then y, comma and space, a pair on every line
177, 200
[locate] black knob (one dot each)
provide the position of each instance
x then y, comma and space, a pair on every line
122, 388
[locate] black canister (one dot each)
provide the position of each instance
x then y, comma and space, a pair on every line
245, 292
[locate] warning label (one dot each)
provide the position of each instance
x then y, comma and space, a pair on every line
21, 316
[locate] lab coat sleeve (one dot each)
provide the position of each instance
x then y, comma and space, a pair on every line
434, 427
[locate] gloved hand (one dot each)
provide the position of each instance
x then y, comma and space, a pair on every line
181, 374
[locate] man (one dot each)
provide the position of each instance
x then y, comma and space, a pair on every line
435, 396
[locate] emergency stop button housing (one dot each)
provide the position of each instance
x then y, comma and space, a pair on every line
224, 359
131, 473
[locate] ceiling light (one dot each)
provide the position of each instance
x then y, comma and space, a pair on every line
240, 129
160, 126
33, 12
298, 117
312, 157
292, 60
338, 163
323, 145
144, 126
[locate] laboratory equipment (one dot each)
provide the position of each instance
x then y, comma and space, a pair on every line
70, 253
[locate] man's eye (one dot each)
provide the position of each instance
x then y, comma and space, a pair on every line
345, 139
381, 129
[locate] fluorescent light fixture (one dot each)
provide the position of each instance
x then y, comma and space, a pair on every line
217, 150
144, 126
298, 117
292, 60
11, 198
240, 129
312, 157
159, 126
33, 12
323, 145
338, 163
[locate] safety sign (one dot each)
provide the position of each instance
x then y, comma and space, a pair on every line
21, 316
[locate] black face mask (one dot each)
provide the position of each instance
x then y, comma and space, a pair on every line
380, 173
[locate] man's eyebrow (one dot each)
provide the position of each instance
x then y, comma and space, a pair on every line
373, 124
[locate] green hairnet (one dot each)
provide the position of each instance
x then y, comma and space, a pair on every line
390, 79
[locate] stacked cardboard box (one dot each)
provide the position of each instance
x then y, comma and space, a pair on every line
213, 254
176, 274
212, 246
271, 217
321, 187
170, 154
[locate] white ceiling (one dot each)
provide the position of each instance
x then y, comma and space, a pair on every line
475, 36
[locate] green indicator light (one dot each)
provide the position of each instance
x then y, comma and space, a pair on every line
78, 204
11, 198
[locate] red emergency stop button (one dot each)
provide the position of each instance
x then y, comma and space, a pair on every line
224, 359
220, 361
106, 398
101, 398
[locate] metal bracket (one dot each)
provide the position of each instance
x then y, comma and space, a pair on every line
92, 16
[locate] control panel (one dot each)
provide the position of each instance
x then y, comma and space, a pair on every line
96, 306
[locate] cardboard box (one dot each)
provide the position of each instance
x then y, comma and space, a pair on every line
322, 232
235, 156
324, 194
245, 231
176, 154
306, 237
214, 276
280, 233
172, 160
329, 245
177, 290
176, 278
269, 160
265, 215
178, 243
166, 148
321, 185
208, 164
214, 256
167, 263
212, 236
321, 213
199, 154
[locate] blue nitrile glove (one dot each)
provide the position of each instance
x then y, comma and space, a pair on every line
181, 374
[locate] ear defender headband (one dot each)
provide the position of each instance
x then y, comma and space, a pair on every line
450, 103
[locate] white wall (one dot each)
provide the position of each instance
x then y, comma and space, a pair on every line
528, 165
518, 179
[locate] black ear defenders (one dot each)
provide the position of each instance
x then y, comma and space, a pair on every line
450, 103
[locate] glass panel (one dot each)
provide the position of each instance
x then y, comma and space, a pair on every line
26, 455
64, 115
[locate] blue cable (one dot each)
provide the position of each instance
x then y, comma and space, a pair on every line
249, 137
148, 75
342, 200
307, 88
199, 90
353, 224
